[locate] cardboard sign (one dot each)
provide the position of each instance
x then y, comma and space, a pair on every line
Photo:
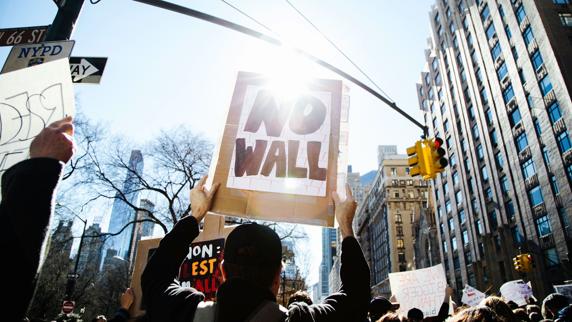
565, 289
517, 291
278, 157
31, 99
472, 296
201, 268
423, 289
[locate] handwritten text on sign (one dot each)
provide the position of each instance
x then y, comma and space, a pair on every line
31, 99
422, 288
282, 144
201, 268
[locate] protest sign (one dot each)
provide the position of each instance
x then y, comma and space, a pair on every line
278, 156
423, 289
201, 268
565, 289
31, 99
517, 291
472, 296
214, 233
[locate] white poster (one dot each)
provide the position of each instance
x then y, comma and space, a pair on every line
423, 289
282, 143
31, 99
472, 296
517, 291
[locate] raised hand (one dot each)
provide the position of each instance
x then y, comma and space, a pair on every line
201, 199
345, 211
55, 141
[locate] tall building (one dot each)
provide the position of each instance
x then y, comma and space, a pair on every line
497, 89
385, 228
141, 228
90, 255
329, 244
62, 238
122, 213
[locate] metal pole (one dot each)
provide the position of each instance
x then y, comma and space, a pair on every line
64, 22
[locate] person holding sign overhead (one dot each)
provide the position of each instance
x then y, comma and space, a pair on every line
28, 190
251, 267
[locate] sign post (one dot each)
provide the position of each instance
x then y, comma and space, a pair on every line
23, 56
68, 306
25, 35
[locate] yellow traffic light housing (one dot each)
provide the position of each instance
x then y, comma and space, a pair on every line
527, 262
517, 263
427, 158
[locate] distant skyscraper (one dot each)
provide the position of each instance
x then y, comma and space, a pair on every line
497, 89
122, 213
62, 238
143, 228
329, 242
90, 256
385, 150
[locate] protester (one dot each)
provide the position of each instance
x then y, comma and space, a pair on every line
534, 317
379, 306
251, 268
558, 306
500, 307
392, 317
415, 315
28, 190
125, 302
476, 314
300, 296
520, 314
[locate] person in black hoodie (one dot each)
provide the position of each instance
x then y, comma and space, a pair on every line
251, 267
28, 190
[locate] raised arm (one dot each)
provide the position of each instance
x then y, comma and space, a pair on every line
162, 294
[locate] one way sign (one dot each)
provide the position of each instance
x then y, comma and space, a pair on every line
87, 69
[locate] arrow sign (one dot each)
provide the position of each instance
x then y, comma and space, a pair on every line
87, 69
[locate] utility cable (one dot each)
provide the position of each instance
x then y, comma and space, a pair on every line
248, 16
274, 41
336, 47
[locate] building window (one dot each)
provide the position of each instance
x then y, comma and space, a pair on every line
471, 112
446, 125
515, 117
508, 94
537, 127
398, 218
435, 64
502, 71
499, 158
438, 81
455, 178
535, 196
528, 169
509, 207
485, 13
491, 31
520, 14
475, 132
554, 112
566, 19
459, 197
479, 225
399, 230
551, 257
485, 173
489, 193
465, 238
480, 152
528, 36
546, 155
489, 116
493, 219
401, 257
445, 247
505, 185
494, 138
561, 1
462, 217
554, 185
446, 188
564, 142
517, 237
393, 172
537, 59
448, 206
400, 243
521, 142
454, 243
452, 160
543, 226
569, 172
496, 51
545, 85
451, 225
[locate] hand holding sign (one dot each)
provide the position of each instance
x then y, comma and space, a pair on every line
345, 212
55, 141
201, 199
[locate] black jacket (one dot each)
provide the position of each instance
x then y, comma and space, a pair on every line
166, 300
27, 195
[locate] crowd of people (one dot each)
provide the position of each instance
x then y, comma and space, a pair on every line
251, 266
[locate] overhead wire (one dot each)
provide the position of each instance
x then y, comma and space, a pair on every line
336, 47
248, 16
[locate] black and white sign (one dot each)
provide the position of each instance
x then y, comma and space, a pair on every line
87, 69
22, 56
25, 35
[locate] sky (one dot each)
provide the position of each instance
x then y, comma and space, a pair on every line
165, 69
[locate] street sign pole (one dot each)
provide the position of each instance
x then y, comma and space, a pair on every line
64, 22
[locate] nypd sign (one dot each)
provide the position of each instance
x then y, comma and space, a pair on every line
22, 56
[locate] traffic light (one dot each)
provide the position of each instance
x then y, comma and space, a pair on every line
416, 160
527, 262
438, 160
517, 263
